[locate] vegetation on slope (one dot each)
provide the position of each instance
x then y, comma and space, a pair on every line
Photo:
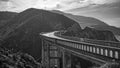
91, 33
11, 59
5, 17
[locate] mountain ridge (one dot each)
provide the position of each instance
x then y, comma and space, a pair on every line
22, 32
91, 22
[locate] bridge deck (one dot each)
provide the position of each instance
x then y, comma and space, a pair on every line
51, 35
109, 53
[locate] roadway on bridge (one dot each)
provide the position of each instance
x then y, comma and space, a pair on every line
52, 35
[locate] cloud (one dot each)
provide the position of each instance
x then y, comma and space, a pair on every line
4, 0
70, 4
102, 9
107, 11
81, 3
5, 5
20, 5
15, 5
44, 4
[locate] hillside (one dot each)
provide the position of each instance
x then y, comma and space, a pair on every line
5, 17
22, 32
91, 33
92, 28
91, 22
12, 59
82, 20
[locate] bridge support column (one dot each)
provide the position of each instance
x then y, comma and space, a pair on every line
68, 60
45, 55
63, 59
54, 57
52, 53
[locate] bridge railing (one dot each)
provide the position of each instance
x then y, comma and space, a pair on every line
105, 51
99, 42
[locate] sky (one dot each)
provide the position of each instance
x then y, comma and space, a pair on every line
19, 5
105, 10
